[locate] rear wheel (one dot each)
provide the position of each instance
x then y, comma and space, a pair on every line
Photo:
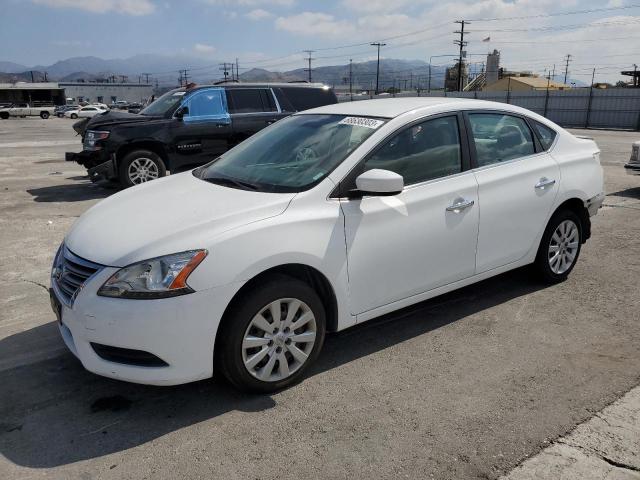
560, 246
74, 115
4, 116
272, 335
141, 166
44, 115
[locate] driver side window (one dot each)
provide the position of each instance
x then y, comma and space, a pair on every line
422, 152
206, 105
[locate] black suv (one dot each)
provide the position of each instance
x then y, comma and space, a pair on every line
186, 127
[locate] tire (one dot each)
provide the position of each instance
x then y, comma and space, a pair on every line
243, 365
74, 115
4, 116
44, 115
560, 247
140, 166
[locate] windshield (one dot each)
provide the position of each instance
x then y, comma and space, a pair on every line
292, 155
164, 104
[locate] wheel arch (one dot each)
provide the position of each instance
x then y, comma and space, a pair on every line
305, 273
577, 206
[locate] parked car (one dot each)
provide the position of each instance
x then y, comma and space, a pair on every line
120, 104
134, 107
60, 111
26, 110
85, 112
185, 128
325, 219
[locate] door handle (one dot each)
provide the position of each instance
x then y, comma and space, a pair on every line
544, 182
459, 205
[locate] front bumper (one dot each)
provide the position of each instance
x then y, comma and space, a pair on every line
632, 168
99, 164
180, 331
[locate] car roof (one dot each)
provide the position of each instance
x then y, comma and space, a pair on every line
394, 107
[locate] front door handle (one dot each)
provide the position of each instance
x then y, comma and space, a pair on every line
459, 205
544, 182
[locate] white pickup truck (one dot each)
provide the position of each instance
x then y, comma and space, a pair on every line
25, 110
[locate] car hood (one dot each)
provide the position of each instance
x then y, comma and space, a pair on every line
109, 119
170, 215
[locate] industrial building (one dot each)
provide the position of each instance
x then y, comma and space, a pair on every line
44, 93
524, 84
57, 93
104, 92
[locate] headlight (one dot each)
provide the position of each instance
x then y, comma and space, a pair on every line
159, 277
93, 136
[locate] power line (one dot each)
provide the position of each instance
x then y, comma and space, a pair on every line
558, 14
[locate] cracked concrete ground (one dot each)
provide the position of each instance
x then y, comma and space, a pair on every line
605, 447
463, 386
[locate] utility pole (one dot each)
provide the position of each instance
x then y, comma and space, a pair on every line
309, 52
45, 77
462, 44
237, 70
146, 75
378, 44
351, 77
224, 67
566, 67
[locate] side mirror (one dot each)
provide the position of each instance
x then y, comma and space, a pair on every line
379, 182
181, 112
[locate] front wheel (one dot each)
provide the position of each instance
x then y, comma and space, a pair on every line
141, 166
560, 247
44, 115
74, 115
272, 335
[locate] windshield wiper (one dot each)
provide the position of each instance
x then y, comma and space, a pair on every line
231, 182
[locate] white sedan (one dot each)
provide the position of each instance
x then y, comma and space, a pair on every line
326, 219
85, 112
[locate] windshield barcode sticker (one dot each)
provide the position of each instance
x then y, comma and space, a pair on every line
362, 122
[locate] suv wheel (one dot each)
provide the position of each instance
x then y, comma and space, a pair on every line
44, 115
272, 335
560, 247
141, 166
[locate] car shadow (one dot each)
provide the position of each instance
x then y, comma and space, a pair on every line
75, 192
632, 192
55, 413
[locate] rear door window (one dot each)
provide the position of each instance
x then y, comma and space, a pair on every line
250, 100
499, 137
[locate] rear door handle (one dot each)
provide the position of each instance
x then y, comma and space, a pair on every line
544, 182
459, 205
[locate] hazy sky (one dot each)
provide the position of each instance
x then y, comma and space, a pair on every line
272, 33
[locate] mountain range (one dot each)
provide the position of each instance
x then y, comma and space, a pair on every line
201, 71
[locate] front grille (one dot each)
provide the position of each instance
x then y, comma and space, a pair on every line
70, 273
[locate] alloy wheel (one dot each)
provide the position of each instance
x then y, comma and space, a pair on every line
142, 170
279, 339
563, 247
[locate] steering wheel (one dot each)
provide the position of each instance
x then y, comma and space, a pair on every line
306, 154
